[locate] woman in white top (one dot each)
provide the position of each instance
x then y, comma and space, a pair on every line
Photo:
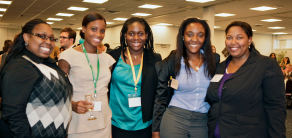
85, 64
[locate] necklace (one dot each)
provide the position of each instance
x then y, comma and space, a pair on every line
198, 67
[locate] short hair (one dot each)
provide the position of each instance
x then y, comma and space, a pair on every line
106, 45
7, 45
72, 33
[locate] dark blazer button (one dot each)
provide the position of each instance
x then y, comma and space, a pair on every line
224, 88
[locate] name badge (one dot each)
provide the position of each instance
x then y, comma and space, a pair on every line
134, 100
97, 106
217, 78
174, 84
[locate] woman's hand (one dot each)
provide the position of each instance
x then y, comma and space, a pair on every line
81, 107
155, 135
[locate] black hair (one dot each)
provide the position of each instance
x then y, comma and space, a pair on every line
89, 18
245, 26
272, 54
181, 51
61, 48
288, 60
149, 40
106, 45
18, 43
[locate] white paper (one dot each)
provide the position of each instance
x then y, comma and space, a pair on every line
174, 84
97, 106
217, 78
135, 102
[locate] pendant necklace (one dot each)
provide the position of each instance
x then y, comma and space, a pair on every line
198, 67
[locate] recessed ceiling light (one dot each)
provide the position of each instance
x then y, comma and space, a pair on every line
263, 8
109, 22
254, 30
200, 1
64, 14
224, 14
77, 8
5, 2
2, 9
280, 33
79, 28
276, 27
217, 27
141, 14
163, 24
55, 19
271, 20
149, 6
95, 1
120, 19
1, 15
50, 22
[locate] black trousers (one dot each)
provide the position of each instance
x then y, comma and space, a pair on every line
120, 133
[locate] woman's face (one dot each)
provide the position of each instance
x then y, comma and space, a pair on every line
136, 36
42, 48
273, 56
194, 37
237, 42
94, 32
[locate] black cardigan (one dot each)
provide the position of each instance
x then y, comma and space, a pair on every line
149, 81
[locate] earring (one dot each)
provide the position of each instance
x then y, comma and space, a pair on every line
26, 44
183, 39
248, 46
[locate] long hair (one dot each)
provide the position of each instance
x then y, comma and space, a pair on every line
288, 60
272, 54
18, 43
149, 40
181, 51
90, 17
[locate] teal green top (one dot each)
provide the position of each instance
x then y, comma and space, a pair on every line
122, 84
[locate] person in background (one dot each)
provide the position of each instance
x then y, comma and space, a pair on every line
89, 70
6, 48
108, 49
273, 55
133, 78
34, 101
217, 56
247, 94
55, 53
284, 62
180, 110
62, 49
67, 38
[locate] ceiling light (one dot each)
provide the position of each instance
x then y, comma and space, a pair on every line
109, 22
77, 8
217, 27
55, 19
163, 24
5, 2
79, 28
95, 1
120, 19
64, 14
276, 27
50, 22
271, 20
141, 14
149, 6
224, 14
2, 9
200, 1
254, 30
280, 33
263, 8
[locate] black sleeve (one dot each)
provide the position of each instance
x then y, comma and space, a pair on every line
274, 100
17, 81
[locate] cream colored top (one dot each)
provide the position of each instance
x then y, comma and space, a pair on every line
81, 78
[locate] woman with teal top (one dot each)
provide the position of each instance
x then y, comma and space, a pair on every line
133, 82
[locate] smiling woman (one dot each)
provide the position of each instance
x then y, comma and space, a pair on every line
32, 86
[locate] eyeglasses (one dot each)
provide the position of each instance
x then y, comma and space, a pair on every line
45, 37
63, 37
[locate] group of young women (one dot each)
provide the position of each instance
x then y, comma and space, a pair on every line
133, 93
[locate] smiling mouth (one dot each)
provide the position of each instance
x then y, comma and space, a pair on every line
136, 43
234, 48
96, 40
194, 46
45, 49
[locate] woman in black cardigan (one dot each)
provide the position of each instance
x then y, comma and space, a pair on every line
134, 56
247, 94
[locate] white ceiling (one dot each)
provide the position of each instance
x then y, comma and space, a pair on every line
173, 12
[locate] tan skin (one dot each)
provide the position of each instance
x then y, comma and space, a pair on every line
194, 38
94, 34
237, 43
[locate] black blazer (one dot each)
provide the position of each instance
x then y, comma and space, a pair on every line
149, 81
252, 103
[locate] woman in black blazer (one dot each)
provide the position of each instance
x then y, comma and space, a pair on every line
249, 100
129, 119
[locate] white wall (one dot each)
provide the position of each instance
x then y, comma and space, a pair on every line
289, 51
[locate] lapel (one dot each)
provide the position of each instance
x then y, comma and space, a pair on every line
145, 67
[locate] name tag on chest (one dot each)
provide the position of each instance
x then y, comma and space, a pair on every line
97, 106
135, 102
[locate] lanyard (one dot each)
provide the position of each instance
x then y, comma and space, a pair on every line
133, 70
94, 78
